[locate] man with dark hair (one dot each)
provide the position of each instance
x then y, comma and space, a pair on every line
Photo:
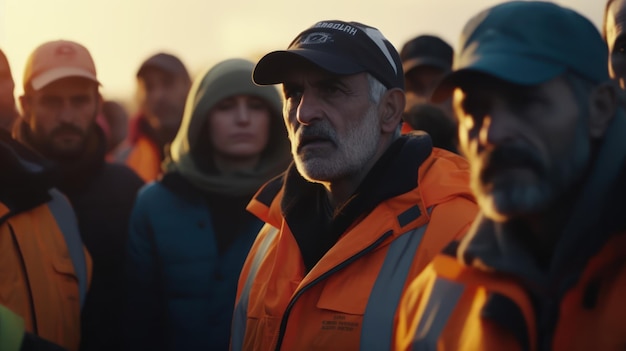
163, 84
435, 122
61, 101
360, 211
425, 60
544, 265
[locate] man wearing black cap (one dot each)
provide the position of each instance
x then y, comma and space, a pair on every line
425, 60
163, 85
544, 265
359, 212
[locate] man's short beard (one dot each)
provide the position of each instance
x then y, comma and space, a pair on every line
508, 198
50, 151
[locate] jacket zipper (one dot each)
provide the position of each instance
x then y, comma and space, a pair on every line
283, 322
27, 279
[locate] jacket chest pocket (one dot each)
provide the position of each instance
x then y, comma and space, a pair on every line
66, 277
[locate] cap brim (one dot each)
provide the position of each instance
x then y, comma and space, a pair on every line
513, 69
273, 67
60, 73
410, 64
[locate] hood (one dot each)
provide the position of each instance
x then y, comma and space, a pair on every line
188, 154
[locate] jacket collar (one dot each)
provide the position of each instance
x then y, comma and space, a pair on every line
304, 203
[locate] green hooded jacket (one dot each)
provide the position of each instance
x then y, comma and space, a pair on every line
188, 152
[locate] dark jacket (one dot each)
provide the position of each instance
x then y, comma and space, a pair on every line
182, 290
102, 195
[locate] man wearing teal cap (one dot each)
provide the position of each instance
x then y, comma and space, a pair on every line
544, 265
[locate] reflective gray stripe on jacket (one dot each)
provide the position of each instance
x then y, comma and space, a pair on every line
68, 224
240, 315
378, 320
441, 303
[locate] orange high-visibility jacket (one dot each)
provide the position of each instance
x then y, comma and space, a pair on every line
347, 301
44, 271
144, 158
491, 293
445, 309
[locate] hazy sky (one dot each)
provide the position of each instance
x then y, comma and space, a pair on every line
121, 33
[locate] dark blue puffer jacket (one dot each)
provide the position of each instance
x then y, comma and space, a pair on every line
181, 289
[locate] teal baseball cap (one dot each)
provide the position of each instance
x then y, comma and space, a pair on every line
527, 43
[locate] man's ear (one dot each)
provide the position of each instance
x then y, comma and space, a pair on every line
603, 103
390, 109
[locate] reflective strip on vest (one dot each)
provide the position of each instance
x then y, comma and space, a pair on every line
68, 224
441, 303
240, 315
378, 320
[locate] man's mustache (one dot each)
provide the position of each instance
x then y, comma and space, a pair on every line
315, 132
512, 155
67, 128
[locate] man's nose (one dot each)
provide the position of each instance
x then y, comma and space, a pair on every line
498, 125
309, 108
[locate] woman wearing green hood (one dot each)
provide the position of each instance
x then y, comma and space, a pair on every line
190, 232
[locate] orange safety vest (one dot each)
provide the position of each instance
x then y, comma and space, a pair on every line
443, 308
348, 300
144, 158
45, 272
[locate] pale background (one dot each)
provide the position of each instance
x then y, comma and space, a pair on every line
121, 33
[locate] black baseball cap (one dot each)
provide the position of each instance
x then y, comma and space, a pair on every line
527, 43
339, 47
164, 62
426, 50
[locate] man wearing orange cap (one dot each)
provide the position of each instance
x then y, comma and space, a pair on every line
60, 103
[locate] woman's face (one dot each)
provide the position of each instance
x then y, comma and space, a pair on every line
239, 128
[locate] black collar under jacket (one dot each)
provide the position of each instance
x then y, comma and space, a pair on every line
26, 177
305, 207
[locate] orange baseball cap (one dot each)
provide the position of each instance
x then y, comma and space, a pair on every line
58, 59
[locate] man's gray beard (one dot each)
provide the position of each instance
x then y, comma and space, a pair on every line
362, 143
